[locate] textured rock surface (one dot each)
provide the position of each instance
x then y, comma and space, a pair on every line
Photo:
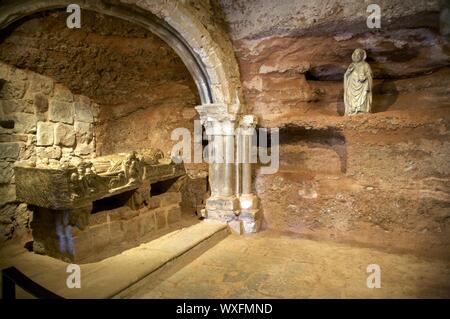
259, 18
35, 131
140, 83
64, 135
61, 112
381, 180
45, 134
15, 221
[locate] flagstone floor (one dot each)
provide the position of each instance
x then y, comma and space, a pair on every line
273, 265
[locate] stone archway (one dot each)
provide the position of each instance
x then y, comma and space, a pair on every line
173, 23
215, 71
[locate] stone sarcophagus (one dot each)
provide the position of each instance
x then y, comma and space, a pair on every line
70, 187
64, 197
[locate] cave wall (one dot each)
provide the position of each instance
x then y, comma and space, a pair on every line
380, 179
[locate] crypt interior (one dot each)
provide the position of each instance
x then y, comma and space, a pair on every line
89, 120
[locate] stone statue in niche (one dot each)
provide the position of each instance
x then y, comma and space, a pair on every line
358, 85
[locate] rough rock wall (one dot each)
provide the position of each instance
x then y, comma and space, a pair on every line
142, 87
41, 122
381, 179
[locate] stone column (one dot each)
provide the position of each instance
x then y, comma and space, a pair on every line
214, 168
232, 197
223, 204
246, 165
229, 165
250, 215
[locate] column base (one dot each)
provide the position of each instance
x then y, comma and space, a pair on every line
251, 220
250, 215
225, 209
242, 215
248, 222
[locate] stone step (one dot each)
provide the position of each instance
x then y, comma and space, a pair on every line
120, 275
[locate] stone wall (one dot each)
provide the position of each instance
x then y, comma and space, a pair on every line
194, 190
381, 179
41, 122
112, 231
142, 87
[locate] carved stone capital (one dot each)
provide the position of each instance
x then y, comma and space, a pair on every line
247, 124
214, 110
216, 119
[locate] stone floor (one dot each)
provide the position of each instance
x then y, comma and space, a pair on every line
112, 276
272, 265
265, 265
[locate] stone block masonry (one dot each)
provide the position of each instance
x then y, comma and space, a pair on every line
106, 230
41, 122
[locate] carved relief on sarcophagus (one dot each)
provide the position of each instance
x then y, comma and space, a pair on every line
119, 171
69, 186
